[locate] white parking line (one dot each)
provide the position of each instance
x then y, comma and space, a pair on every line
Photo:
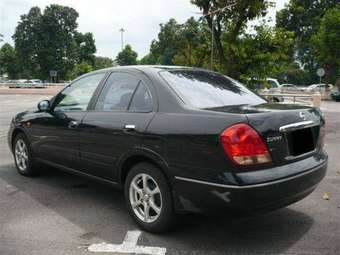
129, 245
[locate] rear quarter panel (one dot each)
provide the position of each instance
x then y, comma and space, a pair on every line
189, 143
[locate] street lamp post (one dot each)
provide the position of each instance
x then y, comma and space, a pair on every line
122, 30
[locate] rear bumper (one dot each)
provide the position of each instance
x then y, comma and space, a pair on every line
200, 196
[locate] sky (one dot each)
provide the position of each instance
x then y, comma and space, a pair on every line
104, 18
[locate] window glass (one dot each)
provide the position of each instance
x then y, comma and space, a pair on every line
203, 89
272, 84
77, 96
141, 101
117, 93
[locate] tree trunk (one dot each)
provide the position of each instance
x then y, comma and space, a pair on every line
217, 42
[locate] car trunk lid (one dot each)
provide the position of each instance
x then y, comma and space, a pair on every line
290, 131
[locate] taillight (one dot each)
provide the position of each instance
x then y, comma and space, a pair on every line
244, 146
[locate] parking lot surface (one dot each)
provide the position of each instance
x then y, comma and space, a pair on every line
58, 213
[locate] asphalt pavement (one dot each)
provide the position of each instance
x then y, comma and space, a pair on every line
58, 213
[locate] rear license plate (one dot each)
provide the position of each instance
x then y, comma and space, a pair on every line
301, 141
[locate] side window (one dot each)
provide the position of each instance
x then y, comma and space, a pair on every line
141, 101
77, 96
117, 92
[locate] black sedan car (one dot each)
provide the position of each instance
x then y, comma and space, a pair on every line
176, 140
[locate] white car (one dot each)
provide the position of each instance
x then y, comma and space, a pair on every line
319, 87
291, 87
36, 83
274, 83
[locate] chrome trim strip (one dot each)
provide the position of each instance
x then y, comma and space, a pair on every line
253, 185
206, 183
298, 125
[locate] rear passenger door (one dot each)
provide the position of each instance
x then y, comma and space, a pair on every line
116, 124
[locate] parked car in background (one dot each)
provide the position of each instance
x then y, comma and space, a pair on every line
286, 87
18, 83
274, 83
268, 86
319, 87
336, 96
34, 83
176, 139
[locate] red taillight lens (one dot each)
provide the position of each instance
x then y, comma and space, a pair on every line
244, 145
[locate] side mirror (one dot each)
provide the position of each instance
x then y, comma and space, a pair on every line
44, 106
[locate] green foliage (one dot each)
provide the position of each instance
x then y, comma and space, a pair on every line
264, 52
102, 62
195, 44
303, 18
228, 18
8, 61
127, 56
149, 59
180, 44
292, 73
86, 47
260, 54
326, 44
166, 46
79, 69
27, 38
50, 41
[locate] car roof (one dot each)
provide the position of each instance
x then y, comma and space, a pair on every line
148, 68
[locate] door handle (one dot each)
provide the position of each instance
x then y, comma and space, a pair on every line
129, 127
73, 124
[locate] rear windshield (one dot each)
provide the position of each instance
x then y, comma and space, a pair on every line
203, 89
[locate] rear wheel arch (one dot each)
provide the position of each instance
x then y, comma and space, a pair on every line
128, 162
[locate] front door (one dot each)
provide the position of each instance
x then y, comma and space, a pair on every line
55, 134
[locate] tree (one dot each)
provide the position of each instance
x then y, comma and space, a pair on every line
303, 18
263, 53
86, 47
326, 44
102, 62
180, 44
8, 61
194, 44
127, 56
229, 17
27, 38
58, 47
79, 69
50, 41
169, 40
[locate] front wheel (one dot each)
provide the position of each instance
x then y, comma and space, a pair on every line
148, 197
23, 156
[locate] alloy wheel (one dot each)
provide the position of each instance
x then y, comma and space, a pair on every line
21, 155
145, 198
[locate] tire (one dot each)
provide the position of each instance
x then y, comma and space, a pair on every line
161, 213
23, 157
276, 100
